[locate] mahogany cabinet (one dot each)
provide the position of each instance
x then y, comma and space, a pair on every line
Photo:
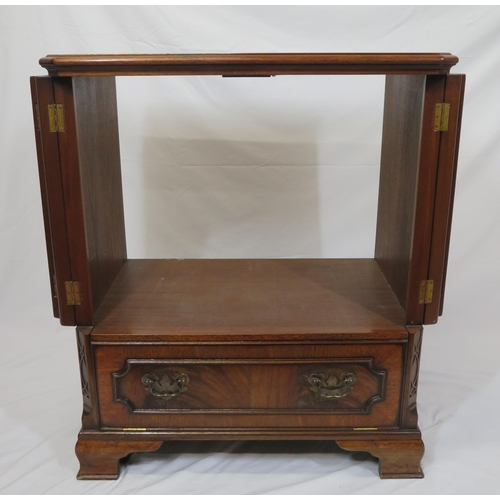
247, 348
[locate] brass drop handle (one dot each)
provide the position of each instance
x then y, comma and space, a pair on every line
166, 387
331, 386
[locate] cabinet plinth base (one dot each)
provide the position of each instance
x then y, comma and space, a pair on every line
397, 459
101, 459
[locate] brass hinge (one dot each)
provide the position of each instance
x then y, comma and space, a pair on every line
134, 429
442, 117
426, 291
72, 293
56, 117
38, 122
55, 286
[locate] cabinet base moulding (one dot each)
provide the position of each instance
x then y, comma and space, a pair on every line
397, 459
101, 458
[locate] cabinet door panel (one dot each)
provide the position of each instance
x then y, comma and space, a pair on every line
410, 151
425, 196
53, 204
90, 165
417, 176
445, 188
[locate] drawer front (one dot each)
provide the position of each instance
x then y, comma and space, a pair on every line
172, 386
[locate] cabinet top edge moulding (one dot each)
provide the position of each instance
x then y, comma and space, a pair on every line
260, 64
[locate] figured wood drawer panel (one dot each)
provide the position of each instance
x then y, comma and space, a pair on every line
149, 386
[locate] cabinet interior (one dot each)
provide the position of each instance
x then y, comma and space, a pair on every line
284, 167
305, 295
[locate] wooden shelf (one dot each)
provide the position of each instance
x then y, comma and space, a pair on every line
227, 299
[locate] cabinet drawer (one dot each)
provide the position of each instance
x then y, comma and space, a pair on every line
172, 386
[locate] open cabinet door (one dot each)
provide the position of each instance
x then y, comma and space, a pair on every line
52, 192
418, 164
80, 176
445, 189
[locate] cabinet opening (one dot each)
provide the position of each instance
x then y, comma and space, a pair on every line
284, 167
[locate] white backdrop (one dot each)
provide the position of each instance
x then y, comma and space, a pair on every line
265, 167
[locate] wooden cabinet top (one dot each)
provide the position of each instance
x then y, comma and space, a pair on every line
249, 64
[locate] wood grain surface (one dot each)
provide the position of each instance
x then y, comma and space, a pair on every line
101, 459
248, 64
91, 178
55, 208
445, 189
397, 459
403, 107
100, 173
408, 171
255, 298
249, 386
